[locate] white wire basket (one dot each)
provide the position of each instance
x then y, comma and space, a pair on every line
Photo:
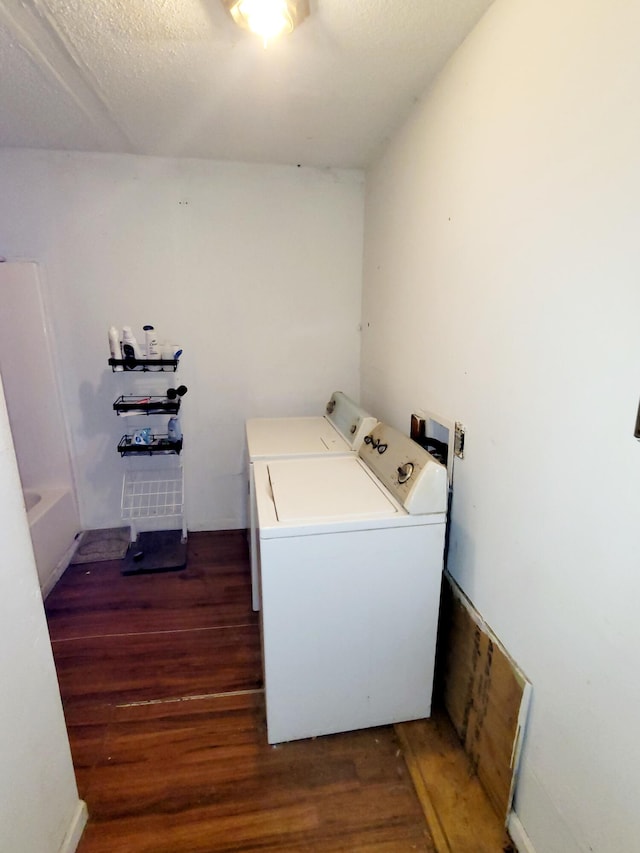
152, 494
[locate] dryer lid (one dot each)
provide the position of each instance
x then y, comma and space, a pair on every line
269, 437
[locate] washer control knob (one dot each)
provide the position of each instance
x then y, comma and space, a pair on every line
405, 471
331, 406
353, 429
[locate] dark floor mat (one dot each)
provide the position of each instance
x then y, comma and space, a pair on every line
156, 551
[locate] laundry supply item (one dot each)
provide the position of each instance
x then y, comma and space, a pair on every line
151, 345
142, 436
130, 347
174, 430
114, 346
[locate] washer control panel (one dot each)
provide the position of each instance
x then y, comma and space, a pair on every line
413, 476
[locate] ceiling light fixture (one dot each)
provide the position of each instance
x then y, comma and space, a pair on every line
268, 18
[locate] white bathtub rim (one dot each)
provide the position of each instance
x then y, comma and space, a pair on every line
31, 499
47, 497
54, 527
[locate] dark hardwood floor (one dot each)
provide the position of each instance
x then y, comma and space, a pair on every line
161, 683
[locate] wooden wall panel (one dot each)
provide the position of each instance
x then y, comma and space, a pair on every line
485, 694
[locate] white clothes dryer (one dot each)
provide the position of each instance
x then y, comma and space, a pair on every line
340, 431
350, 552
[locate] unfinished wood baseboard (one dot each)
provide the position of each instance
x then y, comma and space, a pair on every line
464, 759
485, 694
457, 810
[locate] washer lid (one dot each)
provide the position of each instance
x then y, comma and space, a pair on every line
269, 437
336, 488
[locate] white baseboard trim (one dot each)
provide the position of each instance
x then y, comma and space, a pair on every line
76, 828
518, 834
60, 569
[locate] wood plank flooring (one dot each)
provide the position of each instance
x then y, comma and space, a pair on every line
459, 813
160, 677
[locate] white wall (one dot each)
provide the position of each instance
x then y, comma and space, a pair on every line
38, 428
501, 289
30, 381
39, 805
254, 270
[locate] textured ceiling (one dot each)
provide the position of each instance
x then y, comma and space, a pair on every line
178, 78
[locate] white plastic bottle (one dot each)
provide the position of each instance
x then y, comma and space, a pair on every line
130, 348
174, 430
114, 346
152, 346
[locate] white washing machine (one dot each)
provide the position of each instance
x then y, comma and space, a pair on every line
341, 430
350, 552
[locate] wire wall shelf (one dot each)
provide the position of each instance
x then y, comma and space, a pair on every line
144, 364
150, 405
158, 444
